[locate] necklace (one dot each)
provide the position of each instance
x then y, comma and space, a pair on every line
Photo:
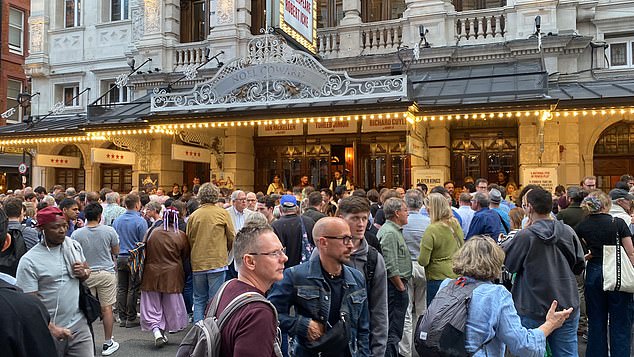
334, 276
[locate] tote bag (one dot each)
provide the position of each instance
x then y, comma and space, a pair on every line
618, 272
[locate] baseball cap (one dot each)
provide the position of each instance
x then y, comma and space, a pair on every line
617, 193
495, 196
47, 215
288, 201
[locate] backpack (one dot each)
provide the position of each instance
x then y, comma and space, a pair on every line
203, 339
440, 331
370, 266
10, 258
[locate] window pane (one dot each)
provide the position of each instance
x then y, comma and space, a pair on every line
125, 9
16, 28
13, 90
198, 21
618, 54
115, 10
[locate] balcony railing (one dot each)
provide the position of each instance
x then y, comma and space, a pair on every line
188, 54
481, 26
374, 38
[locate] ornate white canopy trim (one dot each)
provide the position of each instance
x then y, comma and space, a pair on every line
273, 73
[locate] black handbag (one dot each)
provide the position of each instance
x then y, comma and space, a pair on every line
89, 304
334, 341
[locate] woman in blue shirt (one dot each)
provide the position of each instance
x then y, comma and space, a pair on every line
493, 322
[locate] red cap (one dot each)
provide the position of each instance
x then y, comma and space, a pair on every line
47, 215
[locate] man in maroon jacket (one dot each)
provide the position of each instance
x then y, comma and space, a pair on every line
259, 258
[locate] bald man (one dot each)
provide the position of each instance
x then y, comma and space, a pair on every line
325, 280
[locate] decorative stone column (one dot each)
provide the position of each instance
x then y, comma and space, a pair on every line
229, 27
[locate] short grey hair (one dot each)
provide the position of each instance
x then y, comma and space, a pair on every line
112, 197
247, 240
482, 199
414, 199
71, 191
286, 210
256, 218
391, 206
154, 205
235, 194
208, 193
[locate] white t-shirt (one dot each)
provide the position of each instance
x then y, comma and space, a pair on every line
44, 270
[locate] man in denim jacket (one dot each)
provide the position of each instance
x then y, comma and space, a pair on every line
322, 290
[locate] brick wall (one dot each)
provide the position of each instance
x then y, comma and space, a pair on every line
11, 63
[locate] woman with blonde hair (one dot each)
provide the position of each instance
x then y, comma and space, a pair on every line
442, 238
609, 312
493, 324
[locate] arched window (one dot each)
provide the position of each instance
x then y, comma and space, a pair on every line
614, 155
71, 177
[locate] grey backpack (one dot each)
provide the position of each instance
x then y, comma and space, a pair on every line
440, 331
203, 339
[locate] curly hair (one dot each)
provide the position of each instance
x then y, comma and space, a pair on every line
479, 258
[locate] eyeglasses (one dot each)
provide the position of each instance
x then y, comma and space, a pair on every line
275, 254
251, 200
345, 239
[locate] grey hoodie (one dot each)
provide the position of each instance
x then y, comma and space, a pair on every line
377, 298
546, 256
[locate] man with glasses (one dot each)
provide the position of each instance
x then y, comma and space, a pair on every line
252, 201
481, 185
327, 296
485, 221
398, 263
259, 260
622, 206
589, 183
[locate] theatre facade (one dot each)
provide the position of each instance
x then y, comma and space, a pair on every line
384, 114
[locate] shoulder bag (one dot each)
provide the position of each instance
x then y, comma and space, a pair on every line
618, 272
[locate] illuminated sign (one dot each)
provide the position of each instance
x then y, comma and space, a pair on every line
298, 19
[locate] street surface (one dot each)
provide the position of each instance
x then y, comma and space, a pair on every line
134, 342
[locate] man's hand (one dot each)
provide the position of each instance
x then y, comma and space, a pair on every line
315, 330
398, 283
79, 223
59, 333
81, 270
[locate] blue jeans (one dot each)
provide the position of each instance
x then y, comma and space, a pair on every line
397, 302
563, 341
601, 304
432, 290
205, 287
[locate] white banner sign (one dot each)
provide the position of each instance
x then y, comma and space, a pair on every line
66, 162
546, 177
116, 157
332, 127
384, 124
190, 153
430, 177
281, 129
298, 14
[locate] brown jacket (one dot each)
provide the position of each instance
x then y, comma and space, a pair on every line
210, 232
164, 254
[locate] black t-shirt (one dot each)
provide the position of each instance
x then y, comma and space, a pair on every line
336, 296
598, 230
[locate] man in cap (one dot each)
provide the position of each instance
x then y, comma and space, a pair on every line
294, 231
495, 197
52, 270
622, 206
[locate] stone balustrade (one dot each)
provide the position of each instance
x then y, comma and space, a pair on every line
188, 54
374, 38
481, 26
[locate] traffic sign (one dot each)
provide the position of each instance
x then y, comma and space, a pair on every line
22, 168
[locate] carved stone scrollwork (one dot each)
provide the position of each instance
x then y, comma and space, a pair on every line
214, 143
152, 16
139, 146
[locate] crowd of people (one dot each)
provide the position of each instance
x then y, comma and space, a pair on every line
348, 271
